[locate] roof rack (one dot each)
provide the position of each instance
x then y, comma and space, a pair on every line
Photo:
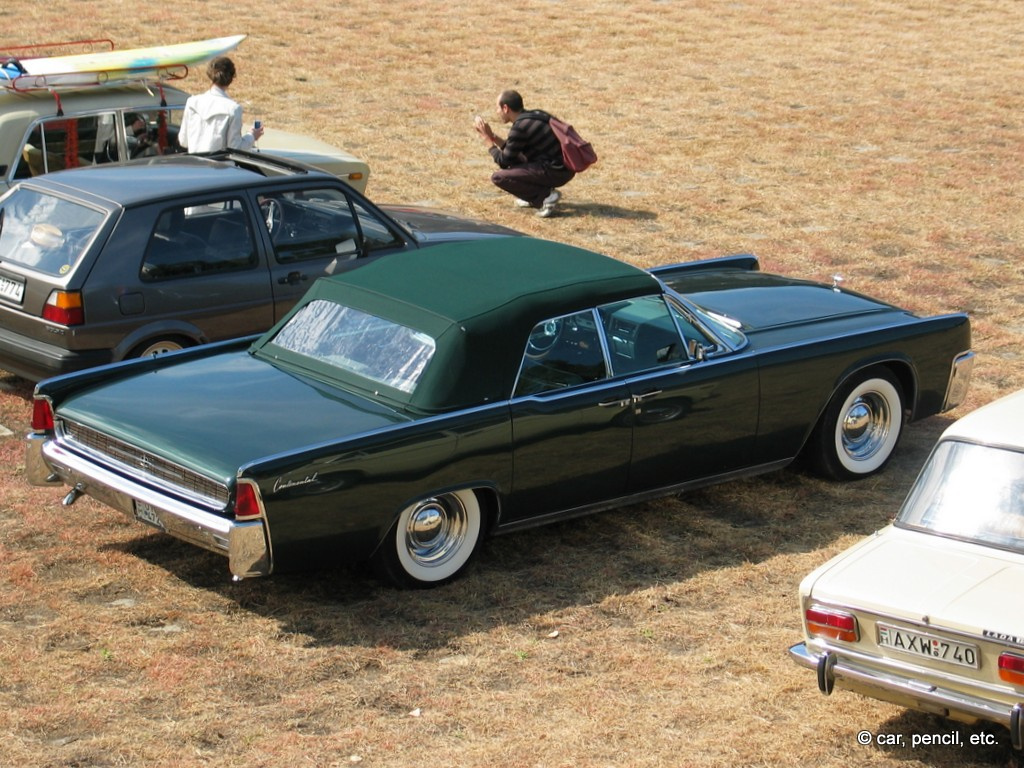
73, 81
15, 77
40, 50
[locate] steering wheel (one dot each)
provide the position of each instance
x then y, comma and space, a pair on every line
273, 215
543, 338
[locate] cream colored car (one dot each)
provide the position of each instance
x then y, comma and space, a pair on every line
927, 613
42, 132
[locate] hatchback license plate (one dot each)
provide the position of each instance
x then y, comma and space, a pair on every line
928, 646
12, 289
148, 515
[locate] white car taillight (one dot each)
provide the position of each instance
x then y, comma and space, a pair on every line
830, 623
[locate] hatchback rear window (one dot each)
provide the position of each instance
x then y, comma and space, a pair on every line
43, 232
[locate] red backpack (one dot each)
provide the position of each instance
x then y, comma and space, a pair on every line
577, 153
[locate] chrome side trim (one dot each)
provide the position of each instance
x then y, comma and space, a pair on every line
635, 498
246, 544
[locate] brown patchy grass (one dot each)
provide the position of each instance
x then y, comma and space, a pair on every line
879, 140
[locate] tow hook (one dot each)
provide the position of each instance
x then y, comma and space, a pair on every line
73, 495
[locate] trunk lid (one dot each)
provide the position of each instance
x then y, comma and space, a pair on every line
215, 414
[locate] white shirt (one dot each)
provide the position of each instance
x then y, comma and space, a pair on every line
213, 121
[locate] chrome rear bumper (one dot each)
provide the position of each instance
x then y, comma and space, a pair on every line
245, 544
834, 670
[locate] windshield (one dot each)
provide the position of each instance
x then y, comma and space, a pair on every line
355, 342
971, 492
725, 328
44, 232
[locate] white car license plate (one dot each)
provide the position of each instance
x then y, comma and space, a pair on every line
147, 514
12, 289
928, 646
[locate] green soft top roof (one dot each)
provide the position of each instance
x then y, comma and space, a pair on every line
479, 300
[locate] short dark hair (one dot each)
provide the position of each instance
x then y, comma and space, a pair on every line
221, 71
512, 100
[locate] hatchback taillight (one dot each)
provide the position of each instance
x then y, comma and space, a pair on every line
42, 415
247, 501
1011, 668
65, 308
828, 622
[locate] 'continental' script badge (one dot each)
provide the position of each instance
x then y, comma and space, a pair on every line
283, 485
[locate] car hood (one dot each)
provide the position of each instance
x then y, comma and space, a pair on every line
912, 575
430, 225
299, 146
198, 414
762, 301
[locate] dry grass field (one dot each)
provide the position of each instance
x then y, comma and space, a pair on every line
877, 139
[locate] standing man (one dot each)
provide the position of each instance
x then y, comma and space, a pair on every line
212, 120
530, 158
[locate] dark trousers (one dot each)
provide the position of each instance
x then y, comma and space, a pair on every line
531, 182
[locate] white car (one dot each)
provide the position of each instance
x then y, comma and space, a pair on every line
927, 613
42, 132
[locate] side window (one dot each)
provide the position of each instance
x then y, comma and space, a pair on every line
60, 143
199, 240
562, 352
152, 132
641, 334
310, 224
376, 234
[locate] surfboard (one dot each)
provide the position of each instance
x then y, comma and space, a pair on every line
98, 68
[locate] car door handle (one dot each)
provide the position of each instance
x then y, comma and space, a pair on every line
621, 403
292, 278
646, 395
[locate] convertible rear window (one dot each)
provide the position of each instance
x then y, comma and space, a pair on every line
353, 341
972, 492
44, 232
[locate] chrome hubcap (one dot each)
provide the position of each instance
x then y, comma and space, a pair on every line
866, 426
435, 530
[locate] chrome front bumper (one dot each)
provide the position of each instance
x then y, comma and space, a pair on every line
959, 380
245, 544
834, 670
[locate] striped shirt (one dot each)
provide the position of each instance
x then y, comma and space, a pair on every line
530, 140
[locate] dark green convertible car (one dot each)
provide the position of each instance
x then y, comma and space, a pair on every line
402, 411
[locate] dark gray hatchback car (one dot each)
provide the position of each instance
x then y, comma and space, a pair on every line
105, 263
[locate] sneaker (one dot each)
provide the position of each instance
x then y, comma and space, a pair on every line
520, 203
547, 207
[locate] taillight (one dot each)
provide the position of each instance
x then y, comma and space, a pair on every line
1011, 668
837, 625
65, 308
42, 415
247, 501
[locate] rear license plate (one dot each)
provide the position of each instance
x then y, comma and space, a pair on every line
12, 289
928, 646
148, 515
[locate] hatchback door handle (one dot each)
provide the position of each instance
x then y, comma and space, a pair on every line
292, 278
